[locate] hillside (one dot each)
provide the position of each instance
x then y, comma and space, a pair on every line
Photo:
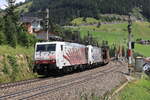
63, 11
16, 53
16, 63
118, 34
23, 8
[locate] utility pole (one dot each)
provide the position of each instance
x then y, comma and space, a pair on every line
129, 44
47, 24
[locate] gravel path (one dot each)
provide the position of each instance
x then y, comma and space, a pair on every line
96, 86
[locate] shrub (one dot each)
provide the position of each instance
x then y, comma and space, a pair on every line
13, 63
2, 38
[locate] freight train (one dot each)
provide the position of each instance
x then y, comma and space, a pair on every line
66, 56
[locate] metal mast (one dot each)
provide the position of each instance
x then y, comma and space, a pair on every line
129, 44
47, 24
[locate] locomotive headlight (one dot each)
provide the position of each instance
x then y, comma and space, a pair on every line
53, 61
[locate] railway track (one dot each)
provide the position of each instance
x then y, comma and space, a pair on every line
56, 86
24, 82
14, 84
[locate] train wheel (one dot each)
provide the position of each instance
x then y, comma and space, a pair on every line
82, 67
71, 69
64, 71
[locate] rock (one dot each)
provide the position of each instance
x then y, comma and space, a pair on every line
1, 58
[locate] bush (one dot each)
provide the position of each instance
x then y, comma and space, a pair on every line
24, 38
13, 63
112, 50
5, 67
136, 54
31, 40
2, 38
10, 31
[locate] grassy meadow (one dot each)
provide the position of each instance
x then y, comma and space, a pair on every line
143, 49
118, 34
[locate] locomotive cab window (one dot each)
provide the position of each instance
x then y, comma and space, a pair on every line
51, 47
46, 47
61, 47
41, 48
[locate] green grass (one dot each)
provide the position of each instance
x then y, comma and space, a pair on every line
89, 20
139, 90
143, 49
114, 33
118, 34
92, 20
141, 30
5, 49
77, 21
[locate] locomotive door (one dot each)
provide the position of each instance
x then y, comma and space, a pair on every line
63, 55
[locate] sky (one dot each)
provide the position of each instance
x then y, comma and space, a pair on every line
3, 3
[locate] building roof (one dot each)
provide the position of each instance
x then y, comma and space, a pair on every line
25, 19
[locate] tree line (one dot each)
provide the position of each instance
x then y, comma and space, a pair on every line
12, 32
63, 11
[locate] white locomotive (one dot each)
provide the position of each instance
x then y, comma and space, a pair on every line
65, 56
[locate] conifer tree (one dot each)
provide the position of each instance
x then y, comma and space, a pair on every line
10, 26
10, 31
2, 36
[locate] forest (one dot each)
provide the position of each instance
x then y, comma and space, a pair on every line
63, 11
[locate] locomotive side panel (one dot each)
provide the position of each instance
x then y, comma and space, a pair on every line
74, 54
97, 55
94, 55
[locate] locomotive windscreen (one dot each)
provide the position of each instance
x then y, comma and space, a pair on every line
46, 47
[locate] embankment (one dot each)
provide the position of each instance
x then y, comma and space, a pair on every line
15, 68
